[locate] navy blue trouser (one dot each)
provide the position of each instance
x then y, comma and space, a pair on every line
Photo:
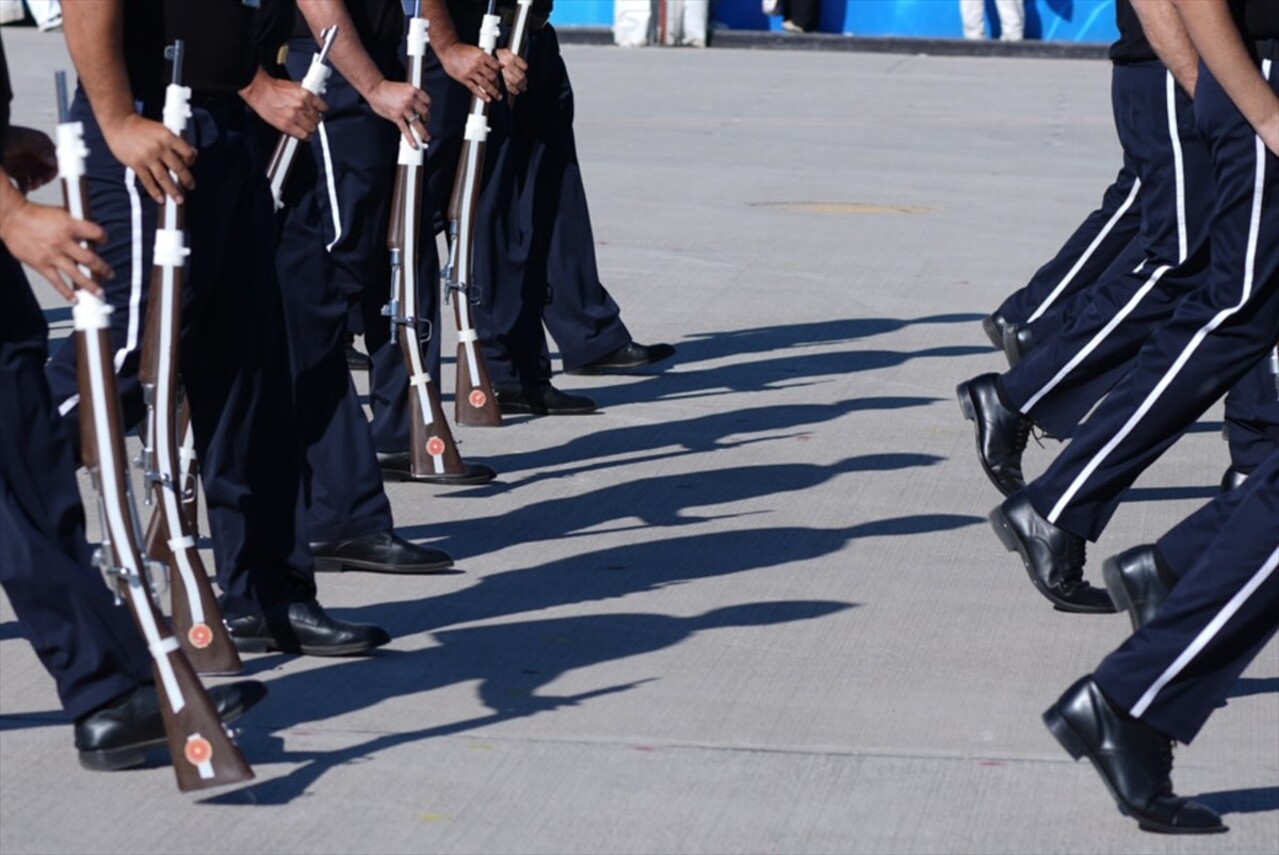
1095, 245
1216, 335
234, 357
355, 155
86, 641
320, 244
1064, 375
1252, 418
1177, 669
534, 251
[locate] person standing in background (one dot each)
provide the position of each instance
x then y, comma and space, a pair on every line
1012, 19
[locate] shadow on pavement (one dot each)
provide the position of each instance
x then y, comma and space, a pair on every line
510, 661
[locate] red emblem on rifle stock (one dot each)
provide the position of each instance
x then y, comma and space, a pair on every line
198, 750
435, 446
200, 636
477, 398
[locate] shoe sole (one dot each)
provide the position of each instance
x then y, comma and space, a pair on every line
264, 645
611, 369
969, 409
447, 479
338, 565
1077, 748
520, 410
129, 756
625, 368
1004, 531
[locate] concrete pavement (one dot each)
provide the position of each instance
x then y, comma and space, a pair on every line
753, 605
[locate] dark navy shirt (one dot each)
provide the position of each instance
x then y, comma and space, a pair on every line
1132, 45
219, 43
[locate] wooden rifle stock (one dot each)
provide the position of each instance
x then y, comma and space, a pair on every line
433, 450
197, 618
474, 401
315, 82
203, 752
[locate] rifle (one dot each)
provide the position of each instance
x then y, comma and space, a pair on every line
433, 452
197, 619
474, 401
315, 82
202, 749
517, 33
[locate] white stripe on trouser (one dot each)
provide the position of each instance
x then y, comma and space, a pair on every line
1092, 247
1174, 137
135, 285
333, 189
1135, 300
1250, 259
1204, 638
1101, 336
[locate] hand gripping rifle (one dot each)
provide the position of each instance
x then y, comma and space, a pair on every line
315, 82
432, 448
475, 403
203, 752
517, 34
197, 619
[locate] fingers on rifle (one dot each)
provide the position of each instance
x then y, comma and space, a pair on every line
150, 185
165, 182
88, 230
55, 279
69, 270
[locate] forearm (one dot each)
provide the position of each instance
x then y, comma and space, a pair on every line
347, 54
95, 40
1167, 35
443, 32
1214, 34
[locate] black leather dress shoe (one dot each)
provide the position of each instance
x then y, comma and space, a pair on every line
1232, 479
1018, 341
303, 627
994, 325
1001, 433
357, 361
1133, 580
380, 552
1054, 558
626, 358
541, 399
398, 466
1133, 759
119, 735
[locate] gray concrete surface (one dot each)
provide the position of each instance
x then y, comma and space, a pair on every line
753, 605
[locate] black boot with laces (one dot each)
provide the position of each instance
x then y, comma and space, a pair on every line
1054, 557
1002, 433
1133, 759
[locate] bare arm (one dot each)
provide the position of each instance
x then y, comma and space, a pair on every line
95, 38
1214, 33
1168, 36
49, 239
394, 101
466, 64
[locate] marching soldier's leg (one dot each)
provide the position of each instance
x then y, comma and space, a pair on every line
85, 640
